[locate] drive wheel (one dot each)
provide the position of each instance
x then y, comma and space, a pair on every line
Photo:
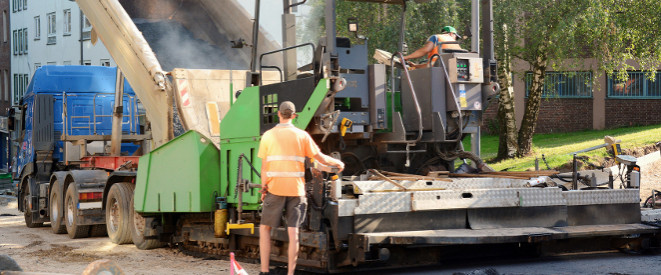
118, 212
74, 230
27, 213
55, 201
137, 231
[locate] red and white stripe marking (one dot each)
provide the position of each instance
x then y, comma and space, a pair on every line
183, 92
236, 267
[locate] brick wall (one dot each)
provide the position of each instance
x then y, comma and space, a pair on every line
564, 115
5, 60
629, 112
489, 118
555, 115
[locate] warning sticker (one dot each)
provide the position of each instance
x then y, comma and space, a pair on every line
462, 96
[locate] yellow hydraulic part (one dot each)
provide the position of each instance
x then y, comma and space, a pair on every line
344, 125
231, 226
220, 221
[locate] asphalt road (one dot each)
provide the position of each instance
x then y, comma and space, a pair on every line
612, 263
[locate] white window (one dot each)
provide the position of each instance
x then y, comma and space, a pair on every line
25, 41
16, 97
87, 26
52, 31
87, 62
105, 62
15, 42
37, 66
26, 82
68, 62
19, 41
20, 85
14, 5
4, 26
51, 63
37, 28
67, 22
87, 29
25, 4
20, 5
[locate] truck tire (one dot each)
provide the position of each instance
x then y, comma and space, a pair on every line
118, 212
137, 232
27, 211
55, 208
74, 230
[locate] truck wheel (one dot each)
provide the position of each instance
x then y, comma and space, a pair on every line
71, 208
56, 210
118, 212
27, 213
137, 231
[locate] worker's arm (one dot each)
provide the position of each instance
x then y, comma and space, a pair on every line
329, 161
265, 187
425, 49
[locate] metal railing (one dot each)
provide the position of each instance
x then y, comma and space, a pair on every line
638, 85
92, 120
563, 84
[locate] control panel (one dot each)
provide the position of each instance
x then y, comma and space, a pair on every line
463, 70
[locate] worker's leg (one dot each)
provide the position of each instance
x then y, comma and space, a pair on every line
296, 208
293, 249
271, 215
264, 246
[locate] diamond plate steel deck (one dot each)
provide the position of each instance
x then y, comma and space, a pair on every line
480, 198
610, 196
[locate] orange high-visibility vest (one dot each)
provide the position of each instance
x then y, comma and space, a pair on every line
437, 39
283, 150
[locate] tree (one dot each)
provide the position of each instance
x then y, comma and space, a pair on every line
547, 33
507, 146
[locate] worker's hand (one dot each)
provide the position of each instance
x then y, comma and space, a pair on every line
339, 165
264, 190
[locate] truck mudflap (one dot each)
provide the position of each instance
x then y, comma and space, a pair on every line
497, 236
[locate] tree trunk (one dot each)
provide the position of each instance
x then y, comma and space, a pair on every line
532, 105
507, 141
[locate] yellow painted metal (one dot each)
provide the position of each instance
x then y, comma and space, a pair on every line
219, 223
231, 226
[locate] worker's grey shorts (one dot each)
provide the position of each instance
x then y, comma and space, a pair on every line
294, 207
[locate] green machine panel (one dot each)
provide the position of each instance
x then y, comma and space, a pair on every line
180, 176
240, 131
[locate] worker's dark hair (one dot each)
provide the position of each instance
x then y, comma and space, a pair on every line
286, 114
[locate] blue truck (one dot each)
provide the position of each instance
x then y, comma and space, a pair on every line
61, 132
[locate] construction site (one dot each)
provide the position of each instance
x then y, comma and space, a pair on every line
152, 167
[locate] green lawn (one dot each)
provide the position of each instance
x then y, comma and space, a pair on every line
557, 147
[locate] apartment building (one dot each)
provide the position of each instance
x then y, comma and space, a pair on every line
49, 32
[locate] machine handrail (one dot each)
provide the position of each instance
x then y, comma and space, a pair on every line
277, 51
413, 95
454, 96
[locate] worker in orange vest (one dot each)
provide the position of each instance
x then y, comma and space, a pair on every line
448, 34
283, 150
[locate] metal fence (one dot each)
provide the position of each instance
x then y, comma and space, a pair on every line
564, 84
638, 85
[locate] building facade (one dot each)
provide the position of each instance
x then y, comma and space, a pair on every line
582, 99
49, 32
5, 59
